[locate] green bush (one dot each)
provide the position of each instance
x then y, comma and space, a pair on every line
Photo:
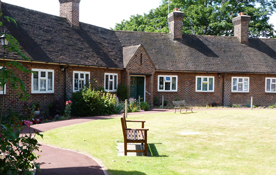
165, 102
79, 106
144, 106
89, 102
122, 92
271, 106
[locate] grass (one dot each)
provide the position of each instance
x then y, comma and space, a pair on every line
230, 142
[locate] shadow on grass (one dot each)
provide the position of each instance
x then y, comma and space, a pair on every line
126, 172
153, 151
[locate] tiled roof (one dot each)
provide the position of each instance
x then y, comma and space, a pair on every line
50, 38
205, 53
128, 53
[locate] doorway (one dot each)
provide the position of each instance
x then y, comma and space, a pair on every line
137, 88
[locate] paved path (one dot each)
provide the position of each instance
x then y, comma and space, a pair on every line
56, 161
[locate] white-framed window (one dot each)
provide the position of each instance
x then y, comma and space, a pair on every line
2, 88
240, 84
110, 82
167, 83
43, 81
205, 83
270, 85
80, 80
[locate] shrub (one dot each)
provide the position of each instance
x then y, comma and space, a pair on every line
177, 99
144, 106
122, 92
89, 102
271, 106
79, 106
165, 102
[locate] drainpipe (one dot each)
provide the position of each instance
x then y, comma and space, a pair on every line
63, 69
223, 88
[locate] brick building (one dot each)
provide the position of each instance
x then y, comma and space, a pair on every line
66, 54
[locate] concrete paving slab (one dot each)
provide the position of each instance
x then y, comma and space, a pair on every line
131, 146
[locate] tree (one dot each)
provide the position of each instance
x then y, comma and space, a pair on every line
16, 150
206, 17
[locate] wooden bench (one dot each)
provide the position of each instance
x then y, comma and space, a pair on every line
134, 135
181, 105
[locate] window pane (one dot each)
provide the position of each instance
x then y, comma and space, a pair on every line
245, 85
43, 85
198, 84
110, 85
111, 77
81, 76
240, 87
50, 81
210, 84
273, 80
1, 88
234, 84
43, 74
204, 86
81, 84
173, 83
35, 81
161, 81
106, 82
132, 81
76, 87
273, 87
168, 78
267, 84
87, 80
167, 85
204, 79
240, 79
115, 81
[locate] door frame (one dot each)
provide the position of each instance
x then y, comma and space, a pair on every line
144, 83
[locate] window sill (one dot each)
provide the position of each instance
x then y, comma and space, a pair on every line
109, 91
206, 91
239, 92
33, 93
271, 92
166, 91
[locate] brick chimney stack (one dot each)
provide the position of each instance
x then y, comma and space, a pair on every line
241, 24
175, 23
70, 9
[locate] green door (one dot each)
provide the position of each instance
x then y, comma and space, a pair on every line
137, 88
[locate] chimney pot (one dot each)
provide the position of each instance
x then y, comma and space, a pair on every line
175, 9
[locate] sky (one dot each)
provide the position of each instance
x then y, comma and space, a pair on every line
102, 13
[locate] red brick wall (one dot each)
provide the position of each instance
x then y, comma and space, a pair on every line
256, 89
12, 99
186, 89
96, 76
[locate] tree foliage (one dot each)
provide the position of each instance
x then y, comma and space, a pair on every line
206, 17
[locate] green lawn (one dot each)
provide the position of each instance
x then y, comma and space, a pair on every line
230, 142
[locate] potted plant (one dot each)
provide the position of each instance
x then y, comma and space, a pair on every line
36, 107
